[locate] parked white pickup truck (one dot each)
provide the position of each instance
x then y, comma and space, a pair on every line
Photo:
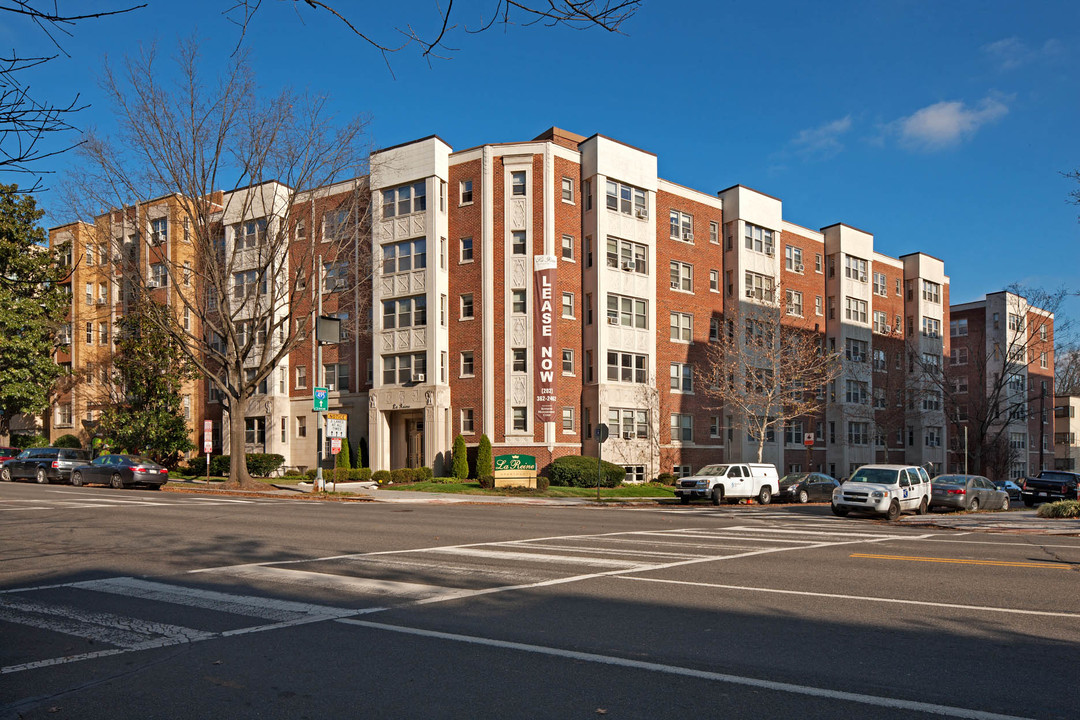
730, 482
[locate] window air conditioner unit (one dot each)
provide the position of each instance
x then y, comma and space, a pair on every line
628, 265
613, 321
749, 292
769, 252
628, 436
101, 301
675, 286
419, 377
888, 329
642, 213
687, 235
798, 267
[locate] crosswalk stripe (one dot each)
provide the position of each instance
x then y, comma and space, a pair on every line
376, 586
603, 551
122, 631
538, 557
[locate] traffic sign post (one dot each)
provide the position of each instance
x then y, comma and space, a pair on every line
335, 445
808, 441
208, 443
602, 433
337, 425
321, 399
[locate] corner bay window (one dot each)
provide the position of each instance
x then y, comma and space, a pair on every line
627, 311
626, 367
627, 255
405, 312
405, 200
628, 423
400, 369
404, 256
626, 199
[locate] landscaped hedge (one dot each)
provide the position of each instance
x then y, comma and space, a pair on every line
1059, 509
67, 441
575, 471
381, 476
258, 464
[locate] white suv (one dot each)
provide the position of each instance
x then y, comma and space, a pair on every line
884, 489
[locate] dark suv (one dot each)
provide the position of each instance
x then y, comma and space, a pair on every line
44, 464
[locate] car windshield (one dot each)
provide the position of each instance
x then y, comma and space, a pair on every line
792, 478
875, 475
712, 470
950, 480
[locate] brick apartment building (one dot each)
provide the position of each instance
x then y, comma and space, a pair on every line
1067, 433
646, 270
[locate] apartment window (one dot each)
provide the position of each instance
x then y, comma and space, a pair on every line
401, 369
467, 369
856, 392
89, 255
682, 427
520, 419
335, 277
568, 419
628, 423
626, 199
159, 233
898, 293
881, 360
714, 329
517, 302
103, 333
405, 200
588, 366
518, 242
404, 256
958, 328
794, 303
714, 280
442, 253
567, 362
682, 377
714, 426
858, 433
626, 367
468, 426
855, 310
1043, 333
465, 188
517, 183
255, 430
818, 263
931, 327
568, 305
793, 258
467, 306
588, 308
854, 268
249, 376
627, 255
958, 356
931, 401
244, 284
568, 248
568, 190
682, 276
880, 322
682, 327
519, 362
1043, 361
1016, 322
89, 333
759, 287
627, 311
931, 291
405, 312
793, 432
159, 275
758, 239
819, 308
682, 226
63, 415
855, 350
103, 293
250, 234
879, 284
932, 438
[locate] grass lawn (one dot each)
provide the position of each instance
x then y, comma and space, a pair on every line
648, 490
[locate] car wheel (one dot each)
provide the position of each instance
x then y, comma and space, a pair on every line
840, 511
717, 496
156, 487
923, 507
894, 510
1005, 503
804, 497
76, 479
1029, 503
117, 481
684, 499
974, 506
5, 475
41, 477
765, 496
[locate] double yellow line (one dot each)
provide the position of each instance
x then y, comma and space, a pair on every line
951, 561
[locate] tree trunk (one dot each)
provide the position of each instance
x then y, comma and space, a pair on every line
238, 474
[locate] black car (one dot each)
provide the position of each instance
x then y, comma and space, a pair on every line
1009, 486
44, 464
807, 487
121, 470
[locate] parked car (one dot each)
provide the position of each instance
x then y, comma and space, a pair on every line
1011, 488
967, 492
1049, 486
730, 482
884, 489
44, 464
6, 453
120, 471
807, 487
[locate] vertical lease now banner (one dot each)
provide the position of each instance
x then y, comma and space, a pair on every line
544, 335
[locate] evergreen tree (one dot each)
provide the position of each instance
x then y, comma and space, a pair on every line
145, 415
460, 459
32, 305
484, 462
343, 463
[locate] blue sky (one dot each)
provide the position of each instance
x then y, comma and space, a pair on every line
940, 127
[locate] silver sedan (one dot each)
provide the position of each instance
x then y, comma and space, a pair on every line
966, 492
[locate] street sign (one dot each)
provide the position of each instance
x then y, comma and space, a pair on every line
337, 425
335, 446
808, 439
208, 436
321, 399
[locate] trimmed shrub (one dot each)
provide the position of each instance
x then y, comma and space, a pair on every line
68, 441
445, 480
292, 472
665, 479
264, 464
219, 465
1059, 509
343, 460
28, 441
460, 468
310, 473
423, 474
576, 471
381, 476
542, 483
402, 475
484, 463
359, 474
487, 481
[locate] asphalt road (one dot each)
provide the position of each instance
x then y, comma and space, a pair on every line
140, 604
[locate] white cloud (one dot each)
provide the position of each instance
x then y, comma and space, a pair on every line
1012, 52
823, 141
946, 123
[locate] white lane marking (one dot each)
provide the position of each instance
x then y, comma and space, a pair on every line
710, 536
1021, 544
540, 558
287, 576
470, 571
594, 549
864, 598
218, 500
124, 632
773, 685
781, 531
19, 509
247, 605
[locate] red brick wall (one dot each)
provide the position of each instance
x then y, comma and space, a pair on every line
466, 335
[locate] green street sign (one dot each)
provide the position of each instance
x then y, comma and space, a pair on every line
321, 399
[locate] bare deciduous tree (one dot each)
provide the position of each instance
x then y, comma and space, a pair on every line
271, 196
767, 371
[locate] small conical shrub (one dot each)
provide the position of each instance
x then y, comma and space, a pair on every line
460, 459
484, 461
